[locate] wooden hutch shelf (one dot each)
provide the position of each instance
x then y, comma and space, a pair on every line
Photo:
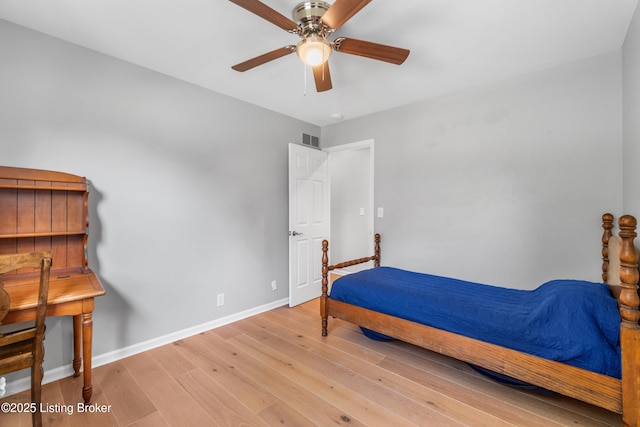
43, 234
35, 187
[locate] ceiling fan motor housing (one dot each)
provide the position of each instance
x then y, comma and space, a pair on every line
308, 15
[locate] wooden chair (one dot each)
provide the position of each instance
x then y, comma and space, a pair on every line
24, 348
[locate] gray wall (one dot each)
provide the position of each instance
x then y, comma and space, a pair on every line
502, 184
631, 117
350, 180
188, 188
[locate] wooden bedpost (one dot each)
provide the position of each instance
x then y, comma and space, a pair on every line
326, 268
628, 303
607, 226
325, 286
629, 300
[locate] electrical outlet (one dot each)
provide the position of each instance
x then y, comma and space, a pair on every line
220, 299
274, 285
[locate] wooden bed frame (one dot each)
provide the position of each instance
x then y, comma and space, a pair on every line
620, 396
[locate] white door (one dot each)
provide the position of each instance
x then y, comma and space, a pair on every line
308, 221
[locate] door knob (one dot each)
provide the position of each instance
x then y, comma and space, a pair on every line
295, 233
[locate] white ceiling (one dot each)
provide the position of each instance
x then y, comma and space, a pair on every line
455, 44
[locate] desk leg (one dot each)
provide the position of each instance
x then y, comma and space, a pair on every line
87, 333
77, 344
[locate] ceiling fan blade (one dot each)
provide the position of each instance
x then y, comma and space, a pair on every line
322, 76
394, 55
265, 12
264, 58
341, 11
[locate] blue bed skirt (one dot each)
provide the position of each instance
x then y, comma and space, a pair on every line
570, 321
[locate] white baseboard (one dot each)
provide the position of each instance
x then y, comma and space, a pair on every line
112, 356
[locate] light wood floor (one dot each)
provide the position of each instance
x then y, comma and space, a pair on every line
276, 369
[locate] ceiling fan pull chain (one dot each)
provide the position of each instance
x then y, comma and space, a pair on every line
323, 68
305, 79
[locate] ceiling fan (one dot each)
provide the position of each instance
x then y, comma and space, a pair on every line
315, 21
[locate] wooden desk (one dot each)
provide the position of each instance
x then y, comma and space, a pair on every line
68, 296
49, 210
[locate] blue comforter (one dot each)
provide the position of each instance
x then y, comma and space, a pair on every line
570, 321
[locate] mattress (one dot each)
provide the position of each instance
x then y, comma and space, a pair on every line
571, 321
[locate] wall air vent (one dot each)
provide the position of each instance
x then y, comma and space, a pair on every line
310, 140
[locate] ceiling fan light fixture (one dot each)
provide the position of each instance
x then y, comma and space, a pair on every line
314, 50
